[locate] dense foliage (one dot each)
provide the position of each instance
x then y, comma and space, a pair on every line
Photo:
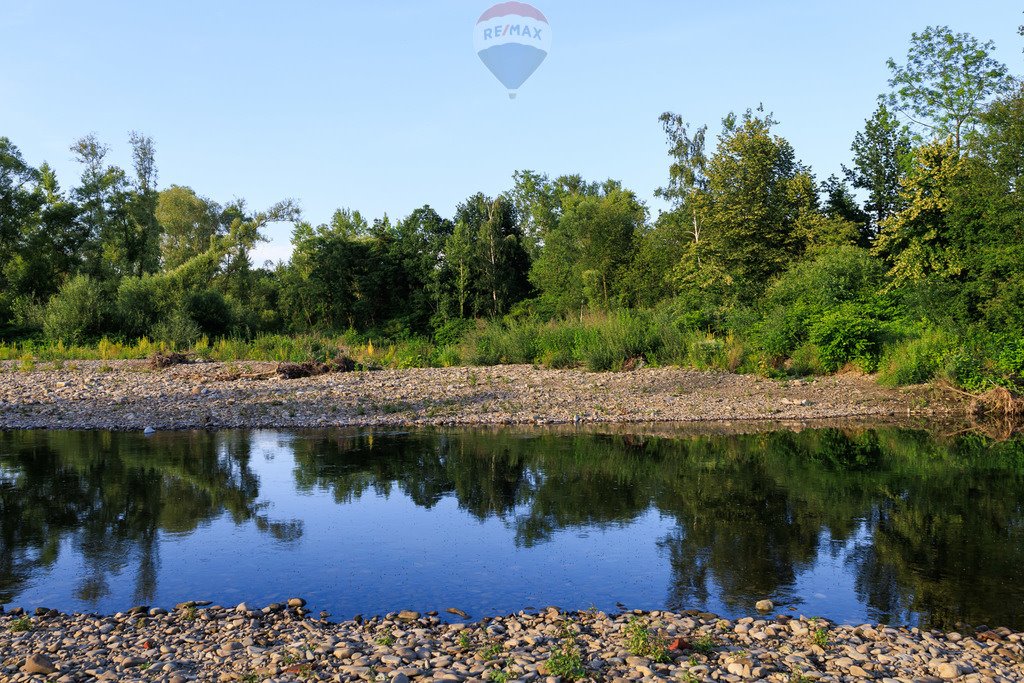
910, 261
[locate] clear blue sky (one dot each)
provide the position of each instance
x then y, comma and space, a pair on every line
384, 106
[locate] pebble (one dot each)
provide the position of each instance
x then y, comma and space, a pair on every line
287, 645
122, 395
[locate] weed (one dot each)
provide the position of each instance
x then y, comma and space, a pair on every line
387, 640
492, 651
643, 642
704, 644
500, 676
465, 642
190, 614
28, 363
820, 637
20, 625
566, 660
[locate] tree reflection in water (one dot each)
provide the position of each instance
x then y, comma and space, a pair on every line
109, 495
932, 527
927, 527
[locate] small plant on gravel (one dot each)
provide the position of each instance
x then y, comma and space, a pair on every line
704, 644
820, 637
465, 642
643, 642
190, 613
687, 677
28, 363
492, 651
386, 640
500, 676
20, 625
566, 660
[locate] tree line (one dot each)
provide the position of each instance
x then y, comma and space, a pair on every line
916, 241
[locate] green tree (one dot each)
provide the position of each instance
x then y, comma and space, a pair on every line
881, 155
945, 81
918, 241
188, 224
586, 254
688, 180
756, 191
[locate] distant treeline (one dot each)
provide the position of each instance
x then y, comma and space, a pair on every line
911, 259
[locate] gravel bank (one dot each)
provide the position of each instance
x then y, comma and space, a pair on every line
280, 643
127, 395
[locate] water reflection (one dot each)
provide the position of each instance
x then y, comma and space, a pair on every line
920, 528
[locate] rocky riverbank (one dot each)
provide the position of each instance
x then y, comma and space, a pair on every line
283, 643
128, 395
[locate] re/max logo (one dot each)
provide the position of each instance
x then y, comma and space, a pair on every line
512, 30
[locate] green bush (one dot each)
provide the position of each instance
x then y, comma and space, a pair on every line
139, 305
210, 311
76, 312
806, 360
918, 360
178, 329
847, 334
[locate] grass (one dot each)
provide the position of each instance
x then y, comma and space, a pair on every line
275, 348
643, 642
566, 660
20, 625
492, 651
820, 637
596, 341
386, 640
704, 644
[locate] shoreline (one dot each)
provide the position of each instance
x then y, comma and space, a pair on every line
128, 396
282, 642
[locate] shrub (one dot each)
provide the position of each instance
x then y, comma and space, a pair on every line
139, 304
917, 360
806, 361
178, 330
847, 334
75, 313
210, 311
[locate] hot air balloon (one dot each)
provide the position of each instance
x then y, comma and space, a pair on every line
512, 39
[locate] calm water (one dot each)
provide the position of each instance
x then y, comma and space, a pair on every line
859, 525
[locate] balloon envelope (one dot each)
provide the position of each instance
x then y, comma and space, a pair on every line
512, 39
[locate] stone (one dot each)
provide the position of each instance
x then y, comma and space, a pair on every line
408, 615
38, 663
764, 606
296, 602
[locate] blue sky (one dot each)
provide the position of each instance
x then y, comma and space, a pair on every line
384, 107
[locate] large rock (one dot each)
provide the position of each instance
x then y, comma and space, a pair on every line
38, 664
764, 605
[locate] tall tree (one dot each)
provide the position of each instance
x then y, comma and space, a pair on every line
881, 155
586, 254
918, 241
99, 194
688, 180
188, 223
945, 81
750, 232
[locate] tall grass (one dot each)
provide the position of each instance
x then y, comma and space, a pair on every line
601, 341
279, 348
